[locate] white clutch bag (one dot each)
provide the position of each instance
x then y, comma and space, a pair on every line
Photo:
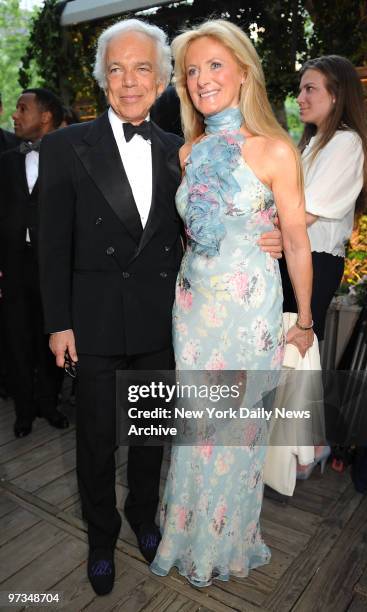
281, 460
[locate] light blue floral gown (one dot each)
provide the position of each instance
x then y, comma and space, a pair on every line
227, 316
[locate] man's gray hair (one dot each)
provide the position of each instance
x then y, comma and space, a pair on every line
164, 59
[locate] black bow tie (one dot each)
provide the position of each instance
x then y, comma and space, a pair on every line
143, 130
27, 147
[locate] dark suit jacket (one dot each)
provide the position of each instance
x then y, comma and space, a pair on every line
7, 140
100, 274
18, 210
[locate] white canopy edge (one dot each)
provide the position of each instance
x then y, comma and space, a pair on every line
78, 11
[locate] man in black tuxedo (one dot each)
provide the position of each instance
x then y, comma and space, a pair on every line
108, 274
8, 140
34, 379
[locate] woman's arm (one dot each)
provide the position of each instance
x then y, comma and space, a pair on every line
291, 211
335, 177
310, 219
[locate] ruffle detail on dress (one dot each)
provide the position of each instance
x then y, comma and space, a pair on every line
211, 184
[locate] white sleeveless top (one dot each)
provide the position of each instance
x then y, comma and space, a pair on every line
333, 181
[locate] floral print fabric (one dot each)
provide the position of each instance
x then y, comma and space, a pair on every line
227, 316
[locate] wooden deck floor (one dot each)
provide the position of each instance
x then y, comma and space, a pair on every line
318, 540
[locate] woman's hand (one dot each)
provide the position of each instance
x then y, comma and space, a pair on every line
302, 339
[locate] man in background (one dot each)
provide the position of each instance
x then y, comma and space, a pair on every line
8, 140
34, 378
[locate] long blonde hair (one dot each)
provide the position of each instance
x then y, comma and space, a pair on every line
254, 103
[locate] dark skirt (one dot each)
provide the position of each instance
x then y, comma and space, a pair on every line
327, 275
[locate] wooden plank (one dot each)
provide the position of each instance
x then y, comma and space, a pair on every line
329, 484
279, 563
61, 490
39, 456
361, 585
44, 571
359, 604
68, 504
210, 597
48, 512
16, 522
7, 504
42, 475
284, 538
249, 590
131, 592
331, 587
25, 547
301, 571
309, 501
40, 426
168, 601
68, 524
41, 433
290, 516
76, 588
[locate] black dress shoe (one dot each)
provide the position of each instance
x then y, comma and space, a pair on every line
58, 419
22, 427
101, 570
148, 536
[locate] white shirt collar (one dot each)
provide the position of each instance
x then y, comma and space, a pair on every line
116, 121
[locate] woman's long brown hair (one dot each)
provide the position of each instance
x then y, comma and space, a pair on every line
348, 113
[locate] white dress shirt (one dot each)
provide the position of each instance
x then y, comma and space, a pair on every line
333, 181
136, 156
31, 170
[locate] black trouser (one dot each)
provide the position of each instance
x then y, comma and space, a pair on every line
35, 379
327, 275
96, 444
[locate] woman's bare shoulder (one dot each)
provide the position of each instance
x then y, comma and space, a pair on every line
185, 150
279, 150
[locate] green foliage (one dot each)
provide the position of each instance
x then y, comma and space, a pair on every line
282, 31
65, 57
14, 27
276, 28
294, 124
340, 27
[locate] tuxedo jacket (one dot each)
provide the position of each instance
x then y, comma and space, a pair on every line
8, 140
101, 274
18, 210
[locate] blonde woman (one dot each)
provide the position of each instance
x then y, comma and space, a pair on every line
240, 168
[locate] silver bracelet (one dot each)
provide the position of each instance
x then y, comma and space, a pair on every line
302, 327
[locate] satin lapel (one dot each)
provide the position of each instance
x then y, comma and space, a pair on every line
158, 158
166, 178
34, 192
101, 158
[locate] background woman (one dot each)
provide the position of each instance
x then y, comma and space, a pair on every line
240, 168
334, 157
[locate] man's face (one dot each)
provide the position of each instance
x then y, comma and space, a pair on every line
132, 76
29, 118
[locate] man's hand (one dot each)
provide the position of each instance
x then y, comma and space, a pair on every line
271, 242
61, 342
